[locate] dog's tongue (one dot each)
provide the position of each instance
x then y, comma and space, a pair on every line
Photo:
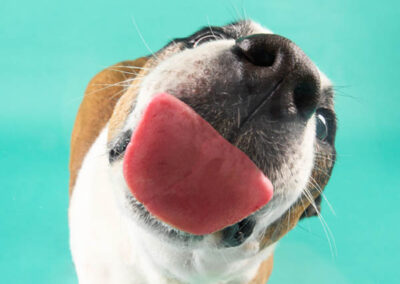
186, 174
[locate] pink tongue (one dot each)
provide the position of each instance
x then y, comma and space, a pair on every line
186, 174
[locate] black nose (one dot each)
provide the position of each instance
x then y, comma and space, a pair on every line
236, 234
279, 70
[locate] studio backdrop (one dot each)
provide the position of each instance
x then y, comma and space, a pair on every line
49, 50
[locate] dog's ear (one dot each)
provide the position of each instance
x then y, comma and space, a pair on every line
313, 209
101, 95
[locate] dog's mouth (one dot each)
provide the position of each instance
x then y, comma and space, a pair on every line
186, 174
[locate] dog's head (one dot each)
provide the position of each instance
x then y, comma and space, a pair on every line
263, 95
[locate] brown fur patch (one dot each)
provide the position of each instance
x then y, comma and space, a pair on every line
101, 95
124, 106
264, 271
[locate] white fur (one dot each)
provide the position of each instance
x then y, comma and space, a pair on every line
107, 247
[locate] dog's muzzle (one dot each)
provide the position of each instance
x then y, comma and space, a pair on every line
274, 80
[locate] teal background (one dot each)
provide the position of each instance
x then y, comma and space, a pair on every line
49, 50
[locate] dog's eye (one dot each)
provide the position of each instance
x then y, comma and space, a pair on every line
206, 38
322, 127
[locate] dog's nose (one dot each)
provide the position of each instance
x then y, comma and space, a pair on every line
279, 70
238, 233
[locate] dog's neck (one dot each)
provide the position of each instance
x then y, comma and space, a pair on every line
110, 248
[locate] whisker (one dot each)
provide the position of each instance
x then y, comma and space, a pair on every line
322, 171
319, 189
233, 11
244, 12
328, 232
288, 223
107, 86
321, 155
239, 17
124, 72
339, 92
118, 93
209, 27
142, 38
130, 67
124, 83
326, 159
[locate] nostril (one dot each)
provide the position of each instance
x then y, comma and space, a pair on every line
306, 96
255, 51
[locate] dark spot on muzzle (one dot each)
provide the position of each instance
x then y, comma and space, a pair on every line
238, 233
119, 146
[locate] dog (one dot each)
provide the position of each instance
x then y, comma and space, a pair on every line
262, 94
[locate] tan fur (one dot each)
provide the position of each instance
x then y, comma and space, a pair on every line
101, 95
124, 105
264, 271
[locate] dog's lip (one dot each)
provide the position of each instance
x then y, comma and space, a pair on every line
225, 238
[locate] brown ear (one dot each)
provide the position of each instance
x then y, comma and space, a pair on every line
101, 95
